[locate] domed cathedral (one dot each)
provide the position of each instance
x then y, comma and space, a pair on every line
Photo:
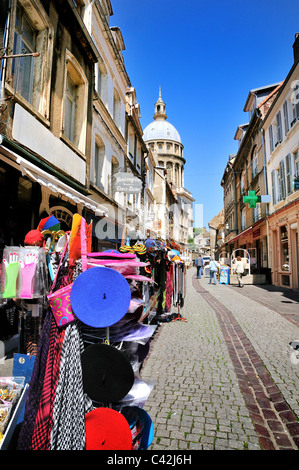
166, 146
165, 143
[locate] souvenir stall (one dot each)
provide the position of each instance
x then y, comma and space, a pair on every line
84, 326
168, 271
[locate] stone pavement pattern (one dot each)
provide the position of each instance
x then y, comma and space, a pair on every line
224, 379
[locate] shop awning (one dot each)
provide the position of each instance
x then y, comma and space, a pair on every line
240, 235
173, 245
56, 186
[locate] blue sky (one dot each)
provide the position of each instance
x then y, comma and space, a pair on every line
206, 56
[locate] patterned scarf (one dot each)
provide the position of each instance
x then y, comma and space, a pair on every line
36, 386
43, 423
68, 431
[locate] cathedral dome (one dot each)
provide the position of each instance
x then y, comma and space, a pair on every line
161, 130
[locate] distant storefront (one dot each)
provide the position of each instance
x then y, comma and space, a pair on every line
284, 243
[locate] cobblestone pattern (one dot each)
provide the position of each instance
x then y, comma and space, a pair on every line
224, 379
270, 333
273, 419
197, 402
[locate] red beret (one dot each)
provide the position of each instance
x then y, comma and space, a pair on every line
34, 237
107, 429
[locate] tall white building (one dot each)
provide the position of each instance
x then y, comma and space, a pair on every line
164, 141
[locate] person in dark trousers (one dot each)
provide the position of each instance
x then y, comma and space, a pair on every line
199, 266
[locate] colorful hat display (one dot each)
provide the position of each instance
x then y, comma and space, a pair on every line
100, 297
107, 373
141, 426
110, 254
49, 223
107, 429
34, 237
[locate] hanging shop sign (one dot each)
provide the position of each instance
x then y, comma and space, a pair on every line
252, 199
126, 183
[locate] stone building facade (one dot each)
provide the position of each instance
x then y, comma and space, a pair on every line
164, 141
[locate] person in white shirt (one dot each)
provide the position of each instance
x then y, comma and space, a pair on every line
239, 270
214, 265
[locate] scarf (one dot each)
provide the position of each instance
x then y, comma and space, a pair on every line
68, 430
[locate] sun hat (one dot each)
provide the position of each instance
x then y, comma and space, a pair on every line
107, 373
107, 429
141, 426
100, 297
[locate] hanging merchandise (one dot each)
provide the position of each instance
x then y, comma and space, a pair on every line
141, 426
94, 299
107, 429
107, 373
83, 338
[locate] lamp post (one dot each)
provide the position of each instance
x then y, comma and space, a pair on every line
228, 229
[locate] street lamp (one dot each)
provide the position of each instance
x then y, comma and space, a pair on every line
228, 229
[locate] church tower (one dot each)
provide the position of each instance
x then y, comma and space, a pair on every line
165, 144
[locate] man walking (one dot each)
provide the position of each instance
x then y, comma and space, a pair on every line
199, 266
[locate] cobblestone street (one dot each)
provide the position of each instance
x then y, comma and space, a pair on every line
226, 378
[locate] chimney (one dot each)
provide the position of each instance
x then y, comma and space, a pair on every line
296, 48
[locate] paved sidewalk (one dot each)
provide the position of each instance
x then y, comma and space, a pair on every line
225, 379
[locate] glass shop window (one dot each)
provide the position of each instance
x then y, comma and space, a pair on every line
284, 249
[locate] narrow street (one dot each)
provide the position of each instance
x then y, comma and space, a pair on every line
226, 378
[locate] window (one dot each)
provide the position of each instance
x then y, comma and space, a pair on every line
116, 108
271, 138
70, 103
295, 101
257, 212
242, 184
99, 156
286, 117
255, 168
75, 103
131, 145
284, 249
296, 163
281, 181
101, 81
273, 180
23, 67
31, 75
243, 219
278, 128
289, 173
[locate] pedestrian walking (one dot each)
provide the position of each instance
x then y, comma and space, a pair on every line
199, 266
214, 265
239, 270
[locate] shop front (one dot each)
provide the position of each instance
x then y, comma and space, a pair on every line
284, 248
254, 241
